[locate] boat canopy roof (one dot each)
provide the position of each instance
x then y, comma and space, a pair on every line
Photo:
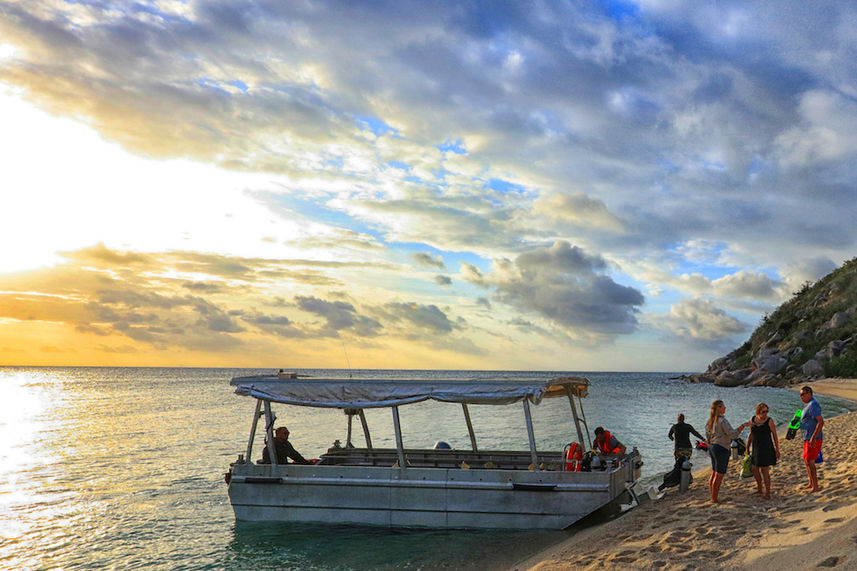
376, 393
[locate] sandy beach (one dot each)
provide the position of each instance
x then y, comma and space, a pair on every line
792, 530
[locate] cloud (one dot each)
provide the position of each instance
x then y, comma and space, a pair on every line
745, 284
205, 287
577, 210
143, 297
215, 319
100, 255
273, 324
338, 315
699, 319
426, 317
427, 260
472, 274
562, 284
443, 280
827, 131
809, 270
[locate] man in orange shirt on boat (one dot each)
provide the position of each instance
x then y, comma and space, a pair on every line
606, 443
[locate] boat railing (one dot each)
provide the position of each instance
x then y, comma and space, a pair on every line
431, 458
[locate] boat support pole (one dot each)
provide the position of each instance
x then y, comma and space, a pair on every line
365, 429
577, 421
469, 426
350, 414
400, 447
269, 430
530, 435
585, 425
253, 429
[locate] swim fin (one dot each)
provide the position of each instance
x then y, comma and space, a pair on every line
794, 425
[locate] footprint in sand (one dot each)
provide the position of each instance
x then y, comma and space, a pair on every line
830, 562
835, 520
653, 549
707, 553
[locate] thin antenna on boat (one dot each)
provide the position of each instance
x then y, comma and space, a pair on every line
346, 357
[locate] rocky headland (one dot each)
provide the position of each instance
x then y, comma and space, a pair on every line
810, 336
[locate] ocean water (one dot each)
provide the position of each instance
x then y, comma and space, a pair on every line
122, 468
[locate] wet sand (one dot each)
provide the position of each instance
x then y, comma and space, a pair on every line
793, 530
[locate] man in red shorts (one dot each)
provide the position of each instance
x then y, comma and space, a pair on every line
811, 424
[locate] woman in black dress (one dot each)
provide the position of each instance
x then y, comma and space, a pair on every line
764, 448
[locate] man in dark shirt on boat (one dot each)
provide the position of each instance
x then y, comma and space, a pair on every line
284, 449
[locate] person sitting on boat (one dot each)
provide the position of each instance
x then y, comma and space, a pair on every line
606, 443
284, 449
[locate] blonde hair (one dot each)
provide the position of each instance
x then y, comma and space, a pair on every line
760, 406
715, 413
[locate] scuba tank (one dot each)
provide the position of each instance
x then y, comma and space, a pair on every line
794, 425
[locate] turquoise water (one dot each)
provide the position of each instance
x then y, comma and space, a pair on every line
122, 468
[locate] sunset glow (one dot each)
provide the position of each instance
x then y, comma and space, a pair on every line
597, 187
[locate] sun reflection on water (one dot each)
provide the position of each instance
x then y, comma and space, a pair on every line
26, 399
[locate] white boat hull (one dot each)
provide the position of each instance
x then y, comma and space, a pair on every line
421, 497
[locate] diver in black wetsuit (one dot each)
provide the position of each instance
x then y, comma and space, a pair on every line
680, 432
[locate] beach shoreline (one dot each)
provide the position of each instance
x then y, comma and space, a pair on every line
793, 529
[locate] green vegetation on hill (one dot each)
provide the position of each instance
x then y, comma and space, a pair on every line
811, 334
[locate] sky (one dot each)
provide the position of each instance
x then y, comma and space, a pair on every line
576, 186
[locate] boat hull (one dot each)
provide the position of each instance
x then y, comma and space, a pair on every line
421, 497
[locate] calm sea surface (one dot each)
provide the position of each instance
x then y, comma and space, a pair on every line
122, 468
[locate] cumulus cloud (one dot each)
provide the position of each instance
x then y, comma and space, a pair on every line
562, 284
745, 284
699, 319
807, 271
827, 131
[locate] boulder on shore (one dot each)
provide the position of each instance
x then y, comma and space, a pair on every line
732, 378
812, 368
